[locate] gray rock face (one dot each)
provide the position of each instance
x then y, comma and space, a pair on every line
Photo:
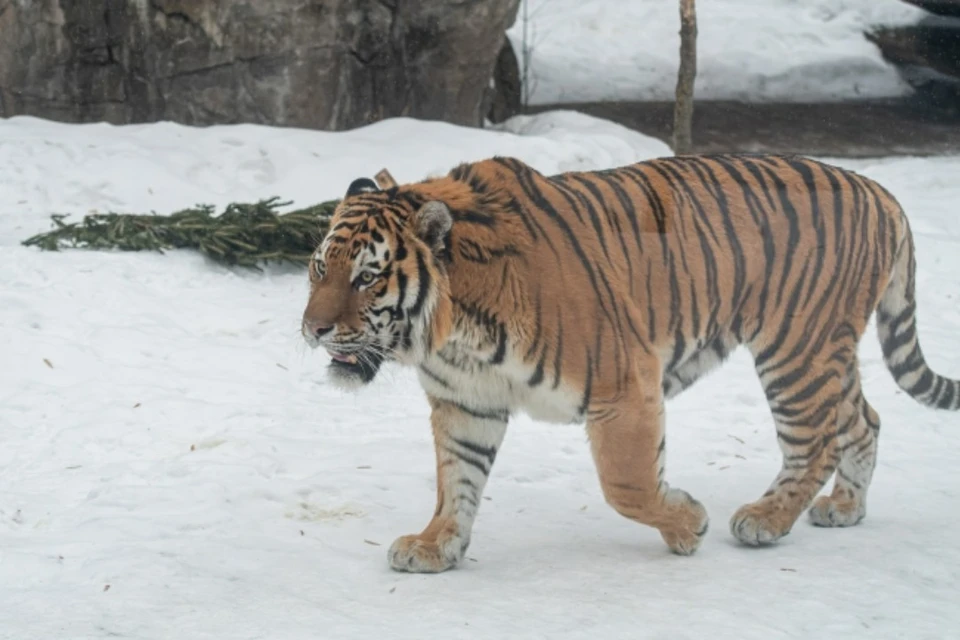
324, 64
942, 7
927, 56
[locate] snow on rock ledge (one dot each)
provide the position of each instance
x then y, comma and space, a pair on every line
750, 50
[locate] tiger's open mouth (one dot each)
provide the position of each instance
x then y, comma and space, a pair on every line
362, 365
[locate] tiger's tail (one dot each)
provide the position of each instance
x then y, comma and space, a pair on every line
897, 329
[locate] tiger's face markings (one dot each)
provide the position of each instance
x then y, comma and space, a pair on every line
375, 285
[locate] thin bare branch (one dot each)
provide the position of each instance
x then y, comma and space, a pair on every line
683, 107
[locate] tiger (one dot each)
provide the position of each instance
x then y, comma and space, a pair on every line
592, 297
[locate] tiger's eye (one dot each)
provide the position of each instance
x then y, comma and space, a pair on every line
366, 277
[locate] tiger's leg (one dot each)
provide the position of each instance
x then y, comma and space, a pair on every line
698, 365
628, 446
466, 443
858, 429
804, 396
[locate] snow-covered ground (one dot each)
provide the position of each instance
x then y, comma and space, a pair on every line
173, 463
751, 50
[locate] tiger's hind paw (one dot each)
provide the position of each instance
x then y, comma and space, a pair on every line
830, 511
760, 523
416, 554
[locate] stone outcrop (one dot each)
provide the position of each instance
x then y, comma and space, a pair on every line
940, 7
927, 56
324, 64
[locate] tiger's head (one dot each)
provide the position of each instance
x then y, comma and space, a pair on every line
378, 284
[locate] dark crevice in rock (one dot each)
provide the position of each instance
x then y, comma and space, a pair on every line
363, 59
177, 15
186, 73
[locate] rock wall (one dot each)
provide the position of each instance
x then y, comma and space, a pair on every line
942, 7
927, 56
325, 64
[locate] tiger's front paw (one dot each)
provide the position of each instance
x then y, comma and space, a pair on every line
417, 554
688, 522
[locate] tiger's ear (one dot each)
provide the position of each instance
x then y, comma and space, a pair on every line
432, 224
361, 185
384, 179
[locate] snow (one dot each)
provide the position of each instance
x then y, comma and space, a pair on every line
173, 462
165, 166
749, 50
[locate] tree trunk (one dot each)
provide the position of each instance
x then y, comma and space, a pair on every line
683, 108
322, 64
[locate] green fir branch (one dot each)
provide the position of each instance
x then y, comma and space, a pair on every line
245, 234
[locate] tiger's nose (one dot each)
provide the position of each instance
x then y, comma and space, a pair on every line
316, 329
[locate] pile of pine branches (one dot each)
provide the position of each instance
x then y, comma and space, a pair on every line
243, 235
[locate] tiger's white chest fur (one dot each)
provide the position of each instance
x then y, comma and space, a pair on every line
466, 378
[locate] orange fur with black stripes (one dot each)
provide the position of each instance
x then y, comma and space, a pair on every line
592, 297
